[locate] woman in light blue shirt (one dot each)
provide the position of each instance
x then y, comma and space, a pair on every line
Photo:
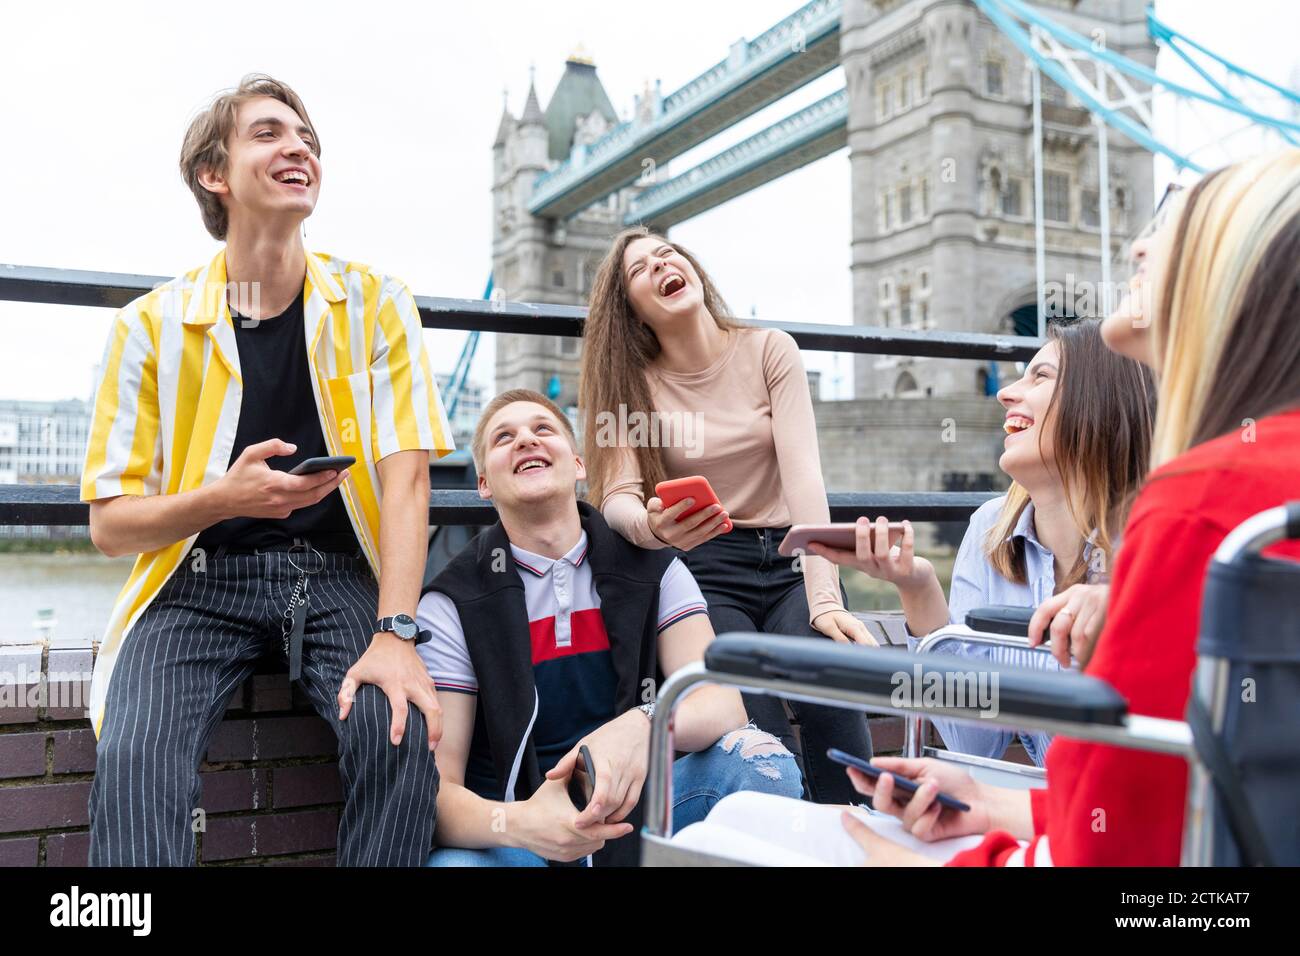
1078, 437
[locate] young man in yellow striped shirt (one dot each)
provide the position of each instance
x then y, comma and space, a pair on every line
213, 387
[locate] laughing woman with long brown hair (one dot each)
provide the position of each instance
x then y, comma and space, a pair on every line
1078, 439
660, 346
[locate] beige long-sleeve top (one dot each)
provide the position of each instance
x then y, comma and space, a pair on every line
751, 433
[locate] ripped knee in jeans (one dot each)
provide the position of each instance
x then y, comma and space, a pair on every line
752, 745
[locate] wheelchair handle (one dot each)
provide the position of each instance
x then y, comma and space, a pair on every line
1000, 619
1258, 532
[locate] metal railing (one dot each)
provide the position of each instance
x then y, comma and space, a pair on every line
59, 504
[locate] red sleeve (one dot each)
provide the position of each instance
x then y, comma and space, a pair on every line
1106, 805
1038, 808
994, 851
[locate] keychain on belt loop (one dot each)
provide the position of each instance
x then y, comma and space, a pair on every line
294, 624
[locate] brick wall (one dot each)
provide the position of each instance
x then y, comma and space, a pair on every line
271, 792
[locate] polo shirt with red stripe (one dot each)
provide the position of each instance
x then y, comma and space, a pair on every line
572, 668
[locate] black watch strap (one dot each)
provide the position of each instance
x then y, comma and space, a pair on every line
388, 624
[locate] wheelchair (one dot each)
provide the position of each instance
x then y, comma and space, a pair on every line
1241, 738
1005, 631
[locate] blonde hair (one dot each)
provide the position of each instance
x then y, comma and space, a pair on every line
477, 446
1226, 331
205, 141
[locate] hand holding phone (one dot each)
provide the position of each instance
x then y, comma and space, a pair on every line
842, 536
927, 817
252, 488
885, 550
582, 782
904, 788
685, 513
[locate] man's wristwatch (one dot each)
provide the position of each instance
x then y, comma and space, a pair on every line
404, 626
648, 710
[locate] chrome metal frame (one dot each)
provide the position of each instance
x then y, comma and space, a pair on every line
1032, 776
1210, 682
914, 726
1150, 734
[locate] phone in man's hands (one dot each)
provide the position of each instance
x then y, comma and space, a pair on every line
312, 466
582, 782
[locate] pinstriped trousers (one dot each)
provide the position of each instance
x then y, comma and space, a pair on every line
188, 652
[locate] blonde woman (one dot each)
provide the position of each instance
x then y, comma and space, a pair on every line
659, 346
1224, 340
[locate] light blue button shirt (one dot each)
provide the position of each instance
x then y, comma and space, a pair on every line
975, 583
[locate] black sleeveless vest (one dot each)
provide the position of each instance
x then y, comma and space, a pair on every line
483, 582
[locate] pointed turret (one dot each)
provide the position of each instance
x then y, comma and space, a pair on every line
504, 128
533, 115
578, 94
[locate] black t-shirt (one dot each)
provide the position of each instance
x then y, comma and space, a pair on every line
277, 403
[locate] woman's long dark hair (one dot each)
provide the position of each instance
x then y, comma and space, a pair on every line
1102, 412
617, 347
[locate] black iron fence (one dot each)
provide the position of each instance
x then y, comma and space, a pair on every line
58, 504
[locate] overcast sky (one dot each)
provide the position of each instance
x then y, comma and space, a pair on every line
95, 97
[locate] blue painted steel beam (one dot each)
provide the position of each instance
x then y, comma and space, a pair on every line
1005, 14
789, 55
813, 132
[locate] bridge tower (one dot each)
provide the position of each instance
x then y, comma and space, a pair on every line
548, 260
940, 134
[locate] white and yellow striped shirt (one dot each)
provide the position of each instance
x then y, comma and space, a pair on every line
167, 405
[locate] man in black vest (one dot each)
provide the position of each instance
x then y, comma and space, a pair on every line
551, 632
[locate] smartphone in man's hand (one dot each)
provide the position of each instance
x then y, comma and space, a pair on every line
326, 463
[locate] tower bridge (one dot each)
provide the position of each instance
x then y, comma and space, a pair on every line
992, 154
937, 114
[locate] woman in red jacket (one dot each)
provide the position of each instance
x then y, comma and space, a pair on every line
1224, 340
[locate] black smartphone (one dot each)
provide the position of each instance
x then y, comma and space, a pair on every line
901, 784
582, 782
329, 463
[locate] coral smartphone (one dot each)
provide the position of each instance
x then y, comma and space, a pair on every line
695, 486
902, 784
311, 466
840, 535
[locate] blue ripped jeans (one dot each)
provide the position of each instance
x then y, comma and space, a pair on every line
746, 759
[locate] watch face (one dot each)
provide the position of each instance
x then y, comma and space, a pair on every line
405, 627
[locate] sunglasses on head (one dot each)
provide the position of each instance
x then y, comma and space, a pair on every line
1171, 190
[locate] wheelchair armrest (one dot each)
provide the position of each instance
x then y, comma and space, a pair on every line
882, 671
1000, 619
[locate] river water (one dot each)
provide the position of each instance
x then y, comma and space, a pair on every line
79, 588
